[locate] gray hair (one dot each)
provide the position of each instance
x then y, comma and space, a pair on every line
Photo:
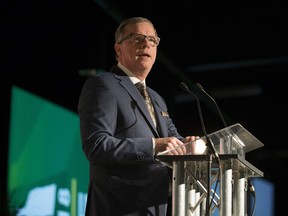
119, 34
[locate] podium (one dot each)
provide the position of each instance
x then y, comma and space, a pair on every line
194, 182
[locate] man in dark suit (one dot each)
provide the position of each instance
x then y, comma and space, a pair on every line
119, 136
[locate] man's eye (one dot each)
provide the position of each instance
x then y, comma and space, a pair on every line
152, 40
138, 38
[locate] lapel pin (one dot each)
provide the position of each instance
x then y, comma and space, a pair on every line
165, 114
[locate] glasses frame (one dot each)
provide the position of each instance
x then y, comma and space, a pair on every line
152, 43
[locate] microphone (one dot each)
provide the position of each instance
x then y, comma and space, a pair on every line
211, 98
251, 187
211, 147
253, 192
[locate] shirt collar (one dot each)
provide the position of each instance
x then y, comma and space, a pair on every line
130, 74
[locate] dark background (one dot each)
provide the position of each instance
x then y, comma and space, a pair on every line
237, 50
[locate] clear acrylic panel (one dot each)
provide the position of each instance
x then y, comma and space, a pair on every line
234, 139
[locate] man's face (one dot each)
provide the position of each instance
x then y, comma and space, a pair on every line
138, 49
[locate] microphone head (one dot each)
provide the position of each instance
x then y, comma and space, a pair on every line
200, 86
183, 86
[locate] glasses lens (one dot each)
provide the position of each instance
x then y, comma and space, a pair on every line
152, 40
139, 38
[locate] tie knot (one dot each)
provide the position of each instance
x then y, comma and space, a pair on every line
140, 86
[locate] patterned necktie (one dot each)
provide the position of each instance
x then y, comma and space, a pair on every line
140, 86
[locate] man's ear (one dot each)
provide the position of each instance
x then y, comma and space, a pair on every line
117, 49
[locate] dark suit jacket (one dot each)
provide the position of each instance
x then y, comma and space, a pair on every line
116, 132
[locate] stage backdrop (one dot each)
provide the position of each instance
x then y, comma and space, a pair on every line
47, 170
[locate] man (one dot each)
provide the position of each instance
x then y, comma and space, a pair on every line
119, 136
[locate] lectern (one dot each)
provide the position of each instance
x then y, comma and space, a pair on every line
225, 185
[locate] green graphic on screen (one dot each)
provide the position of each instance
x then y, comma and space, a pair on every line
47, 170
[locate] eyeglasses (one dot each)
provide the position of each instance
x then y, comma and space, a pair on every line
139, 38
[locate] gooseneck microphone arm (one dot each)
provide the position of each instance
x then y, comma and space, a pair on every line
210, 146
211, 98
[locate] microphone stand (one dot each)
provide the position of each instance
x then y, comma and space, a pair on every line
211, 149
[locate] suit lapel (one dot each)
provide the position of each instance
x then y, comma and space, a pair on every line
126, 83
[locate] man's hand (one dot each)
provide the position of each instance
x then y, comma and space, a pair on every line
194, 145
173, 144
